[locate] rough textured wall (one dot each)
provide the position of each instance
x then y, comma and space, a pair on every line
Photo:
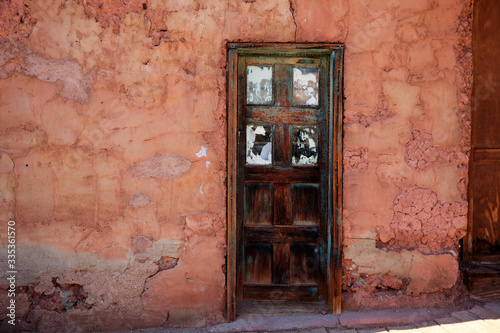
407, 139
112, 139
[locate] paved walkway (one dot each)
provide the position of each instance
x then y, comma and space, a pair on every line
483, 317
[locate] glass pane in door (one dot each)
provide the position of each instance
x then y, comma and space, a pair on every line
305, 86
259, 147
260, 85
304, 145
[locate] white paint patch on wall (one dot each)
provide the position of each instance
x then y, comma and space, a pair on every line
202, 152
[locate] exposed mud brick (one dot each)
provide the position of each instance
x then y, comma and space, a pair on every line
356, 158
388, 299
46, 286
161, 166
23, 304
166, 263
422, 152
48, 321
410, 228
16, 20
352, 280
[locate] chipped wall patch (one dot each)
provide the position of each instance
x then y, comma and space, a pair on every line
166, 166
70, 81
138, 199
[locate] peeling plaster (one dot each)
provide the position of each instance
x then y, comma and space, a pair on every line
67, 74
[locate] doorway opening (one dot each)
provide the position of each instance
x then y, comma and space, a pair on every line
284, 184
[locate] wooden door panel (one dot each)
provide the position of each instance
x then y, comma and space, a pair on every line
281, 263
281, 153
305, 204
295, 188
304, 263
259, 203
486, 194
282, 214
293, 293
258, 263
482, 243
281, 234
283, 115
265, 174
284, 222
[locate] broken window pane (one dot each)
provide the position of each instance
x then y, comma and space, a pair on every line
304, 145
259, 144
305, 86
259, 85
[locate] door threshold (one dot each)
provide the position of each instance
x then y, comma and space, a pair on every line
256, 309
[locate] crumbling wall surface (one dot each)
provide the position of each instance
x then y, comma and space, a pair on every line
407, 138
113, 148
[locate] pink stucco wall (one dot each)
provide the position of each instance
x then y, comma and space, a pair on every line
113, 148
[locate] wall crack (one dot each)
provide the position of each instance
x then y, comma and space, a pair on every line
292, 11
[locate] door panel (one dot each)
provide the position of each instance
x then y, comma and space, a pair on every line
258, 263
259, 203
304, 261
282, 114
284, 171
482, 243
305, 204
486, 194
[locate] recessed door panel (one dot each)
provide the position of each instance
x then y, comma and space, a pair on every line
258, 203
305, 204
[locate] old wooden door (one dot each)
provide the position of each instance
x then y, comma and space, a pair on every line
285, 174
482, 243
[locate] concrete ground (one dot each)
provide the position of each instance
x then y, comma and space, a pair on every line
481, 317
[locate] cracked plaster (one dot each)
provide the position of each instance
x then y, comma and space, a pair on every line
89, 91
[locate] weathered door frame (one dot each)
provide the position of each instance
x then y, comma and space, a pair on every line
334, 114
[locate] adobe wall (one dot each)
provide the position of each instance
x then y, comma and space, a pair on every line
113, 147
